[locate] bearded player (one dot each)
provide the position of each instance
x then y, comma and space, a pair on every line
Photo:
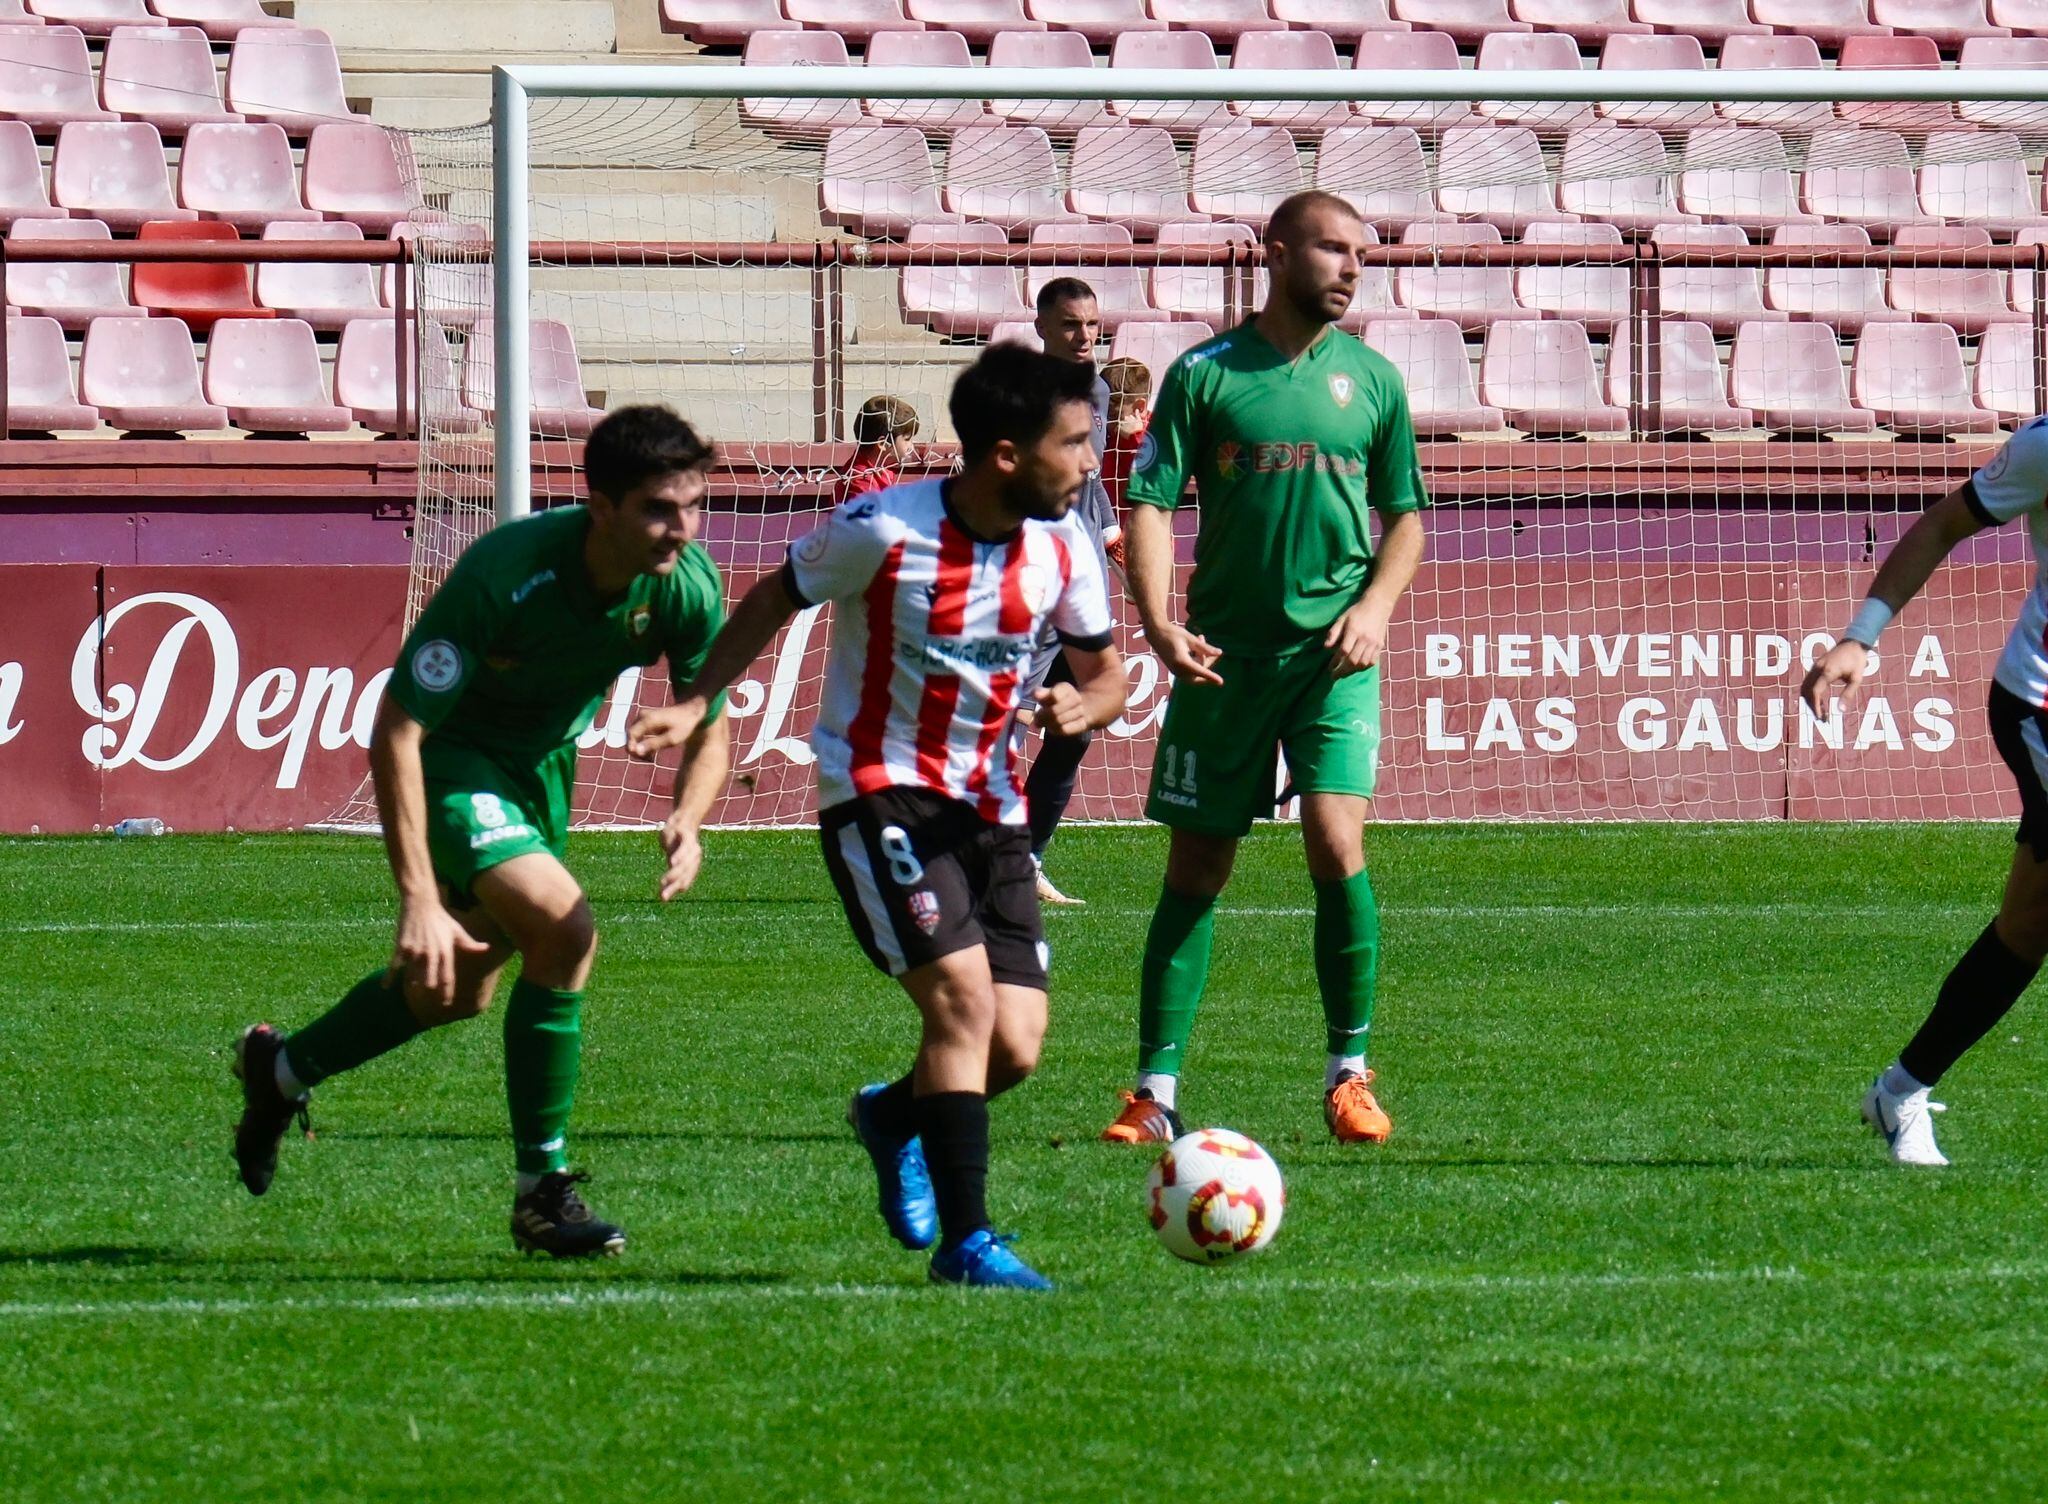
474, 760
1295, 435
939, 590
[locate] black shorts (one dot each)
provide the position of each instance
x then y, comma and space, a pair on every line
921, 876
2020, 732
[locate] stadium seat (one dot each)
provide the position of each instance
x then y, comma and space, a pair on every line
1508, 52
291, 76
1970, 299
1426, 50
96, 18
1173, 49
221, 20
1740, 175
1949, 23
1122, 293
1380, 171
1685, 391
1016, 333
1100, 21
1712, 21
2020, 289
1622, 54
72, 292
23, 193
1620, 174
980, 21
199, 292
1790, 376
1310, 51
1911, 377
1201, 292
366, 378
1497, 174
40, 395
326, 294
799, 119
1587, 22
959, 299
2030, 51
1220, 20
114, 171
143, 375
46, 76
241, 174
1373, 296
1789, 116
266, 373
859, 21
1541, 374
724, 23
1157, 344
1908, 118
1723, 297
1472, 296
1468, 22
1594, 295
360, 173
2004, 382
878, 180
1979, 178
1861, 177
1005, 175
1344, 20
558, 404
1430, 355
1046, 49
1837, 288
923, 49
16, 13
2026, 18
1828, 22
1242, 172
455, 292
162, 74
1129, 175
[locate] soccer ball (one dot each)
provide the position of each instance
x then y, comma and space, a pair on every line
1214, 1195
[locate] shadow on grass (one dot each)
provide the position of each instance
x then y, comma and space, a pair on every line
592, 1136
179, 1269
115, 1256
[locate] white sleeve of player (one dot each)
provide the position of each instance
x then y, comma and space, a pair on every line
839, 557
1081, 614
2015, 480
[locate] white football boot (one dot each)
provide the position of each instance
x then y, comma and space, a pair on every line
1047, 893
1906, 1123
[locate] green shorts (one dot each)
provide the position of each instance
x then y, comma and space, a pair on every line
480, 814
1214, 771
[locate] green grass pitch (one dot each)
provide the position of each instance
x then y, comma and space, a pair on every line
1630, 1240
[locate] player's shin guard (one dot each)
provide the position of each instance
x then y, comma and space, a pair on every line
954, 1128
1172, 977
543, 1052
1976, 995
370, 1021
1347, 959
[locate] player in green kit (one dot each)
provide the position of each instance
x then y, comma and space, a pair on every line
1294, 434
474, 759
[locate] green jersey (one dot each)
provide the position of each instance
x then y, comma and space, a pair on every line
514, 654
1289, 460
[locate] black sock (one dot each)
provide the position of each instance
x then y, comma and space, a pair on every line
954, 1127
1977, 994
894, 1110
1051, 785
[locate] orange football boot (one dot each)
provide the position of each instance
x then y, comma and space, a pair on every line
1143, 1121
1354, 1115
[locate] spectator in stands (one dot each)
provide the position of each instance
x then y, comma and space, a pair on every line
883, 429
1130, 414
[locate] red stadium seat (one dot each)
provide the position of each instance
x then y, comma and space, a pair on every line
1979, 178
1380, 171
221, 20
46, 76
1220, 20
1790, 376
1005, 175
1242, 172
114, 171
1775, 52
1129, 175
72, 292
878, 180
1173, 49
1911, 377
1828, 22
1949, 23
23, 193
1969, 299
2003, 382
1122, 293
1506, 52
40, 395
1468, 21
289, 76
1100, 21
923, 49
1473, 296
326, 295
1157, 344
1541, 374
241, 174
143, 375
2008, 52
1712, 21
1621, 54
266, 373
1740, 175
1496, 173
1620, 174
558, 404
1590, 22
1685, 389
1046, 49
1594, 295
1201, 292
859, 21
1430, 355
803, 119
199, 292
1838, 288
724, 23
1861, 177
1894, 53
366, 378
1426, 50
162, 74
1345, 20
980, 21
1723, 297
1309, 51
96, 18
360, 173
956, 299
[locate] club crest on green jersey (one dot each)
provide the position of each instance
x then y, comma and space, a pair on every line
1341, 388
638, 620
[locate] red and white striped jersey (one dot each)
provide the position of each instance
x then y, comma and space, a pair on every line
932, 632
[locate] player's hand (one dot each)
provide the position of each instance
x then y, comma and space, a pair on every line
1113, 549
1187, 655
685, 857
1356, 639
1062, 711
658, 730
1840, 669
431, 942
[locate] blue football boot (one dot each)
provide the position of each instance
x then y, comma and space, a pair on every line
907, 1203
984, 1258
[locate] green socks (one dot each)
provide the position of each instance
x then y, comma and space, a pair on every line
543, 1049
1175, 970
370, 1020
1347, 959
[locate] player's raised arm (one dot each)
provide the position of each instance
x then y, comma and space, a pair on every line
429, 938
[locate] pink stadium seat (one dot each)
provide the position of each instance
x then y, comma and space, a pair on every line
1127, 175
1473, 296
980, 21
2026, 18
326, 295
266, 373
96, 18
241, 174
1541, 375
1838, 288
1893, 53
723, 23
1594, 295
1861, 177
1970, 299
16, 13
953, 298
46, 76
1620, 174
923, 49
1949, 22
1775, 52
1100, 21
2021, 286
1586, 21
801, 119
1712, 21
1122, 293
558, 404
1428, 50
1005, 175
72, 292
878, 180
1046, 49
1201, 292
1345, 20
1790, 376
1310, 51
1222, 20
1507, 52
221, 20
1243, 171
1430, 355
1379, 170
291, 76
1828, 22
1157, 344
456, 292
1723, 297
2030, 51
1172, 49
1684, 389
1740, 175
162, 74
859, 21
1625, 53
366, 378
199, 292
143, 375
2003, 382
1911, 376
1496, 173
1016, 332
1979, 178
40, 396
360, 173
114, 172
1468, 21
23, 194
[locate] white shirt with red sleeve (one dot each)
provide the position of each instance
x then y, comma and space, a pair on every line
932, 631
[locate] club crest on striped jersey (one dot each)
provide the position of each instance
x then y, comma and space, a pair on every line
1341, 388
1035, 587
